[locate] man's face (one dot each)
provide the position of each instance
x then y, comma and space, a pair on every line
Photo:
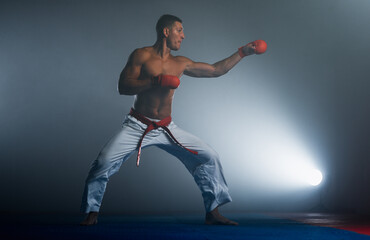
175, 36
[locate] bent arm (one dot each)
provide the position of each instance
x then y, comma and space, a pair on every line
199, 69
130, 81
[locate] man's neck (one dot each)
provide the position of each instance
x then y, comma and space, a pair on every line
161, 49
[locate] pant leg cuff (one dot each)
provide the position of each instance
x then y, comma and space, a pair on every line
89, 209
216, 204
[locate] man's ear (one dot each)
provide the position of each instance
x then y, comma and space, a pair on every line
166, 31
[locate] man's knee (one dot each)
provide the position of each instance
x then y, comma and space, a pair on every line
210, 156
101, 162
109, 155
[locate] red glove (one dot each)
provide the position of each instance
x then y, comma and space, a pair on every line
168, 81
260, 47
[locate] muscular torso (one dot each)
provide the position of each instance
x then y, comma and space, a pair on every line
156, 102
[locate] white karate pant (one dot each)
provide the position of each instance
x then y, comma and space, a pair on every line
204, 167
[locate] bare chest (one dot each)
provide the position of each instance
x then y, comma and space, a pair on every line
157, 66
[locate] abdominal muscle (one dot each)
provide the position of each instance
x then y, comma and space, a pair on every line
155, 102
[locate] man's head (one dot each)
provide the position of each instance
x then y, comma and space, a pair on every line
170, 27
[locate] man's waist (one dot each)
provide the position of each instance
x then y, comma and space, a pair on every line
150, 121
153, 107
151, 125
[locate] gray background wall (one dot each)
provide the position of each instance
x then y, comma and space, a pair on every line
305, 99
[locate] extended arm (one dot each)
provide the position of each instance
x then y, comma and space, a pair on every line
199, 69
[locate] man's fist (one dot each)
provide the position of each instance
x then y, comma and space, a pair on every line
260, 46
168, 81
257, 47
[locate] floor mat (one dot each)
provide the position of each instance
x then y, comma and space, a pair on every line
181, 227
350, 222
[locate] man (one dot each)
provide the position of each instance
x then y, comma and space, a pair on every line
152, 75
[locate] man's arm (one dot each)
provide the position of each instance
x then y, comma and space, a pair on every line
130, 81
199, 69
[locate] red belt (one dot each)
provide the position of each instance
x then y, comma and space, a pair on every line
151, 126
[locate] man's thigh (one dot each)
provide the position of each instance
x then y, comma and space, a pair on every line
123, 142
190, 141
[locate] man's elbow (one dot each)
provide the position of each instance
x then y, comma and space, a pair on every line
122, 85
120, 88
218, 71
123, 89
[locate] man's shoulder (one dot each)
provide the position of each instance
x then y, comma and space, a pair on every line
182, 59
142, 53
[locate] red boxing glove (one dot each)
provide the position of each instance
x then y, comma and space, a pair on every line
168, 81
260, 47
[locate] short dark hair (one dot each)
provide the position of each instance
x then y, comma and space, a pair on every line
164, 21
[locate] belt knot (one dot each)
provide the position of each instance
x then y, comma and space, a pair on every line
151, 125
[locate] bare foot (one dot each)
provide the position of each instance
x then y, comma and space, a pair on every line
91, 219
215, 218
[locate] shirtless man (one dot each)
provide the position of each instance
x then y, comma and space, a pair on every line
152, 75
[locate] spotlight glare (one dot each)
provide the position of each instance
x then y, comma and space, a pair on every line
315, 177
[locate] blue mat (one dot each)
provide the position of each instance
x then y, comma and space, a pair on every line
252, 226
